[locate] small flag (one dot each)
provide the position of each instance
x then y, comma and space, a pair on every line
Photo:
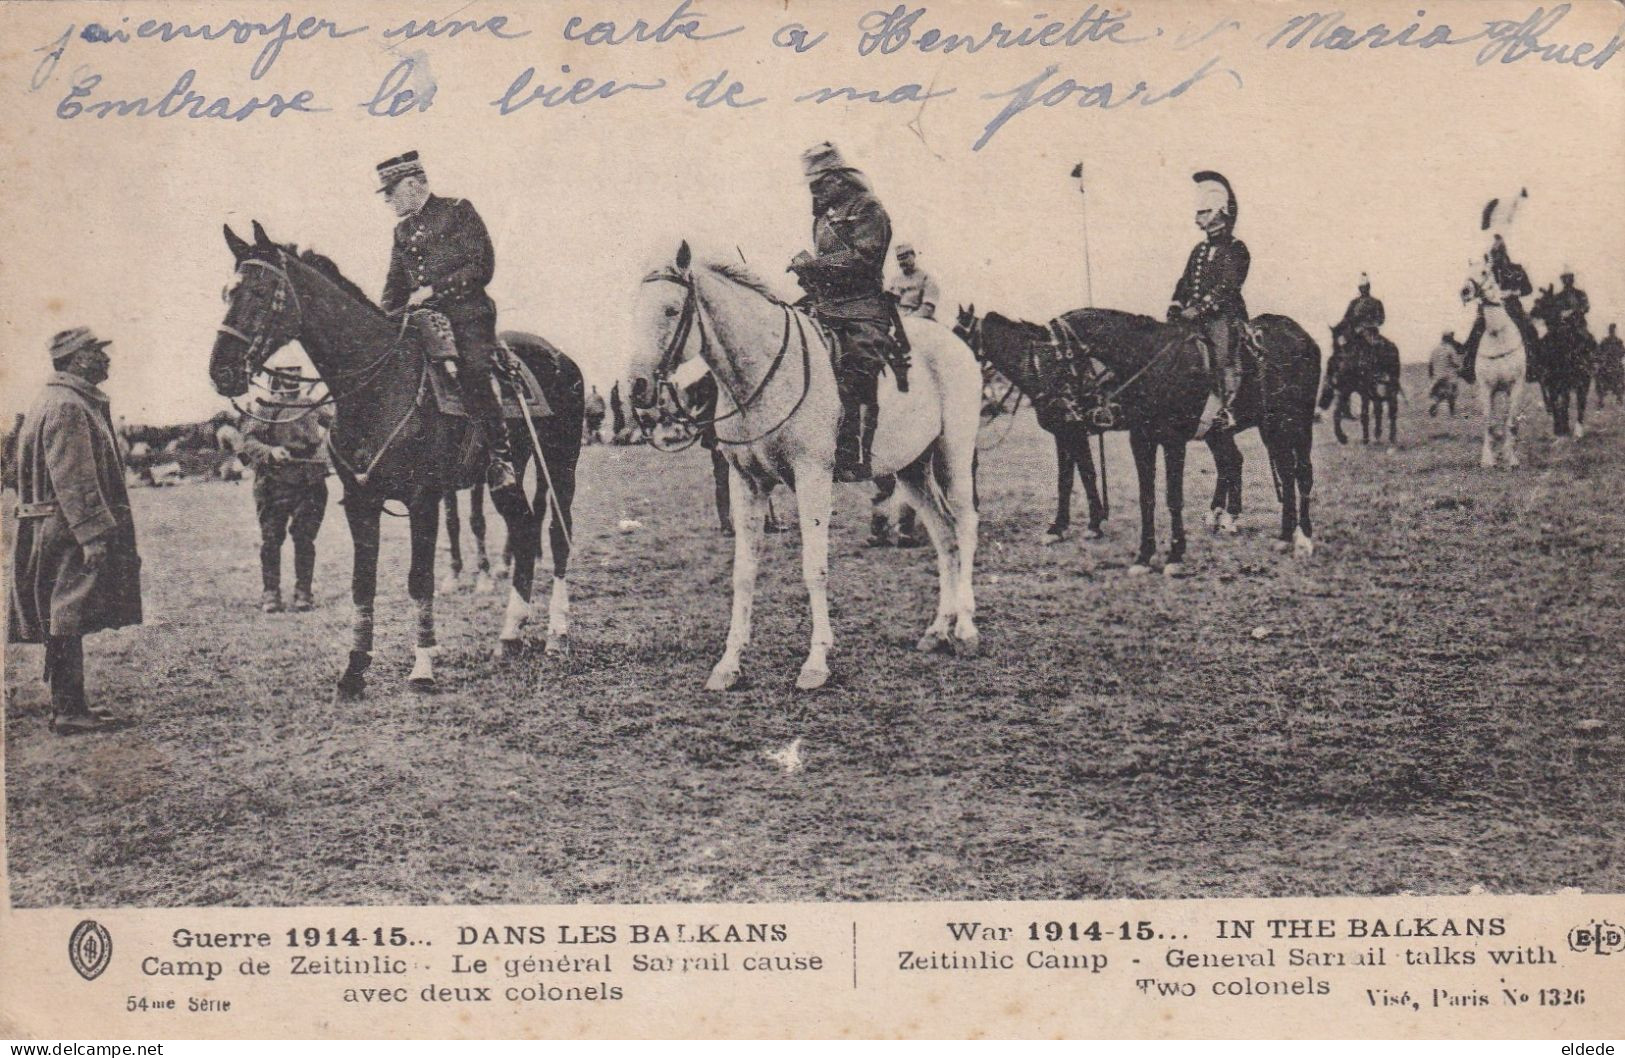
1498, 212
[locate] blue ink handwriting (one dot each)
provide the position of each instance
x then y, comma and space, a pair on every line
709, 92
408, 86
889, 31
908, 93
795, 35
53, 54
1103, 96
236, 30
641, 32
179, 101
451, 27
1511, 41
583, 90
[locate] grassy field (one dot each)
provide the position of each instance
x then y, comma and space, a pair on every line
1400, 714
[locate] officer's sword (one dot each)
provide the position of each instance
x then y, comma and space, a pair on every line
541, 462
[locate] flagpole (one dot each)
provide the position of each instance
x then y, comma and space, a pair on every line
1088, 271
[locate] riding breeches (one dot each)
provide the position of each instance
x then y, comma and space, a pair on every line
291, 505
863, 347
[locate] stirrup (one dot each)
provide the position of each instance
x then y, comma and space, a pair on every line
499, 475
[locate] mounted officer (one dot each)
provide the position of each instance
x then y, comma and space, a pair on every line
1209, 292
1364, 315
283, 441
844, 278
442, 260
1571, 305
1513, 281
916, 292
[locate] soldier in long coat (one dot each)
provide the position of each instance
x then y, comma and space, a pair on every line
75, 569
844, 276
442, 259
285, 443
1208, 293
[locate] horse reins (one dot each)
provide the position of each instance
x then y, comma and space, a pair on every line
691, 317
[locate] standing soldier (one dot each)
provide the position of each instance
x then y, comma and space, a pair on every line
1611, 352
1209, 292
845, 280
1444, 368
283, 440
74, 565
617, 416
595, 416
916, 292
442, 260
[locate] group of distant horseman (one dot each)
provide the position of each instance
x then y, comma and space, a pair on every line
75, 566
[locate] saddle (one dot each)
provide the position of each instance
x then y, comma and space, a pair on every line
432, 334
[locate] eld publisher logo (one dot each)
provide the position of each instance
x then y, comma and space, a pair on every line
89, 948
1599, 938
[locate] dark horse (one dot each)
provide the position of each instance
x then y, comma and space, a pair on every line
390, 441
1156, 375
1564, 358
1369, 370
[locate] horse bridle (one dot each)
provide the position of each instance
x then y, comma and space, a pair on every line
263, 337
689, 317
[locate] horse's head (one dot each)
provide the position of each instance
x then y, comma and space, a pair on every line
1481, 285
664, 327
262, 312
968, 328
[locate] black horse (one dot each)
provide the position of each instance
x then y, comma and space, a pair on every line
390, 439
1157, 379
1368, 369
1564, 356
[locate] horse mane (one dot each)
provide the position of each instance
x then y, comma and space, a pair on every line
326, 267
744, 277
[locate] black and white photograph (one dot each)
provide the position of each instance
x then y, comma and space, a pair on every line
668, 452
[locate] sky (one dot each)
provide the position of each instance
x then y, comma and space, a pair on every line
1375, 161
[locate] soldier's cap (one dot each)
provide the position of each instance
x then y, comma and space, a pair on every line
823, 159
1449, 334
1365, 281
905, 249
393, 170
1213, 191
1567, 273
75, 340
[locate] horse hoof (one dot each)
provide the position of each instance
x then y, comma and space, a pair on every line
1303, 546
422, 685
722, 679
811, 679
968, 646
1213, 519
1486, 462
559, 645
483, 585
1053, 537
928, 642
1173, 569
1227, 524
1139, 569
350, 690
508, 649
1280, 546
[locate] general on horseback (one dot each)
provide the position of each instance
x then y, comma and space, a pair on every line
844, 277
441, 261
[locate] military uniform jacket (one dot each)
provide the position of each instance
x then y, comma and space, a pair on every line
1612, 348
70, 490
444, 245
302, 431
1572, 306
1363, 311
846, 277
1509, 276
1214, 273
917, 295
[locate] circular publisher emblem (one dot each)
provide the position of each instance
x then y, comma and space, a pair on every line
89, 948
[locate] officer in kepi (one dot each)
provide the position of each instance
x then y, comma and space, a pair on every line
1209, 293
1364, 315
844, 277
1513, 281
916, 292
442, 260
284, 439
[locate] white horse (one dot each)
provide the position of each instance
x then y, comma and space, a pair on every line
776, 417
1501, 365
